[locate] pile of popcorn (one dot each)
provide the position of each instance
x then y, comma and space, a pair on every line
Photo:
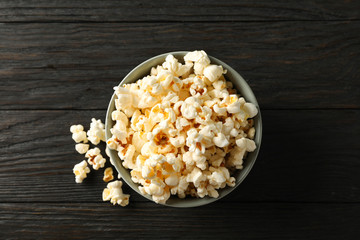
95, 134
182, 130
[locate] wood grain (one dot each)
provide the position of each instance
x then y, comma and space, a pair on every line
303, 158
74, 66
187, 10
215, 221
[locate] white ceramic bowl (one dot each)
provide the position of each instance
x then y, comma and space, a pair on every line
242, 87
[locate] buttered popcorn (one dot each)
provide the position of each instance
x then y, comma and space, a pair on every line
95, 158
113, 193
96, 132
182, 130
81, 170
78, 133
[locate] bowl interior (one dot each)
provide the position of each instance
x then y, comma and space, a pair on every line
242, 87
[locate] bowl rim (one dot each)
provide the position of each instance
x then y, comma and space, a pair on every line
193, 202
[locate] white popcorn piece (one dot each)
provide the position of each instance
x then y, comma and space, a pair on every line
191, 158
120, 116
96, 132
212, 192
108, 175
196, 177
200, 59
221, 141
161, 198
221, 111
178, 141
114, 193
181, 187
188, 111
219, 85
250, 109
78, 133
194, 141
213, 72
198, 87
127, 155
82, 148
80, 170
95, 158
251, 133
247, 144
175, 67
237, 153
172, 180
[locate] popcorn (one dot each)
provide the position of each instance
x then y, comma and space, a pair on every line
221, 111
96, 132
194, 142
196, 176
113, 193
95, 158
188, 111
178, 141
191, 158
251, 133
247, 144
250, 109
181, 129
108, 175
78, 133
200, 59
175, 67
80, 170
180, 188
220, 177
82, 148
220, 140
172, 180
213, 72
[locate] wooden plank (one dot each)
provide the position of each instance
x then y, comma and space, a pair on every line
187, 10
146, 220
306, 156
75, 66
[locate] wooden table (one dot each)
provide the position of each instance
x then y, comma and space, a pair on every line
60, 59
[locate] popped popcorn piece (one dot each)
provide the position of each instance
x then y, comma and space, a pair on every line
175, 67
96, 132
82, 148
196, 176
108, 174
221, 141
200, 59
78, 133
114, 193
251, 133
95, 158
182, 128
80, 170
250, 109
213, 72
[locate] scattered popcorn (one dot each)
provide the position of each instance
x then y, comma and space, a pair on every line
82, 148
181, 130
96, 132
80, 170
113, 193
95, 158
78, 133
108, 175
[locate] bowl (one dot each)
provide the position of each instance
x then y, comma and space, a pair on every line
241, 86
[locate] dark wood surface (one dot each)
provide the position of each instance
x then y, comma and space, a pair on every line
60, 59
